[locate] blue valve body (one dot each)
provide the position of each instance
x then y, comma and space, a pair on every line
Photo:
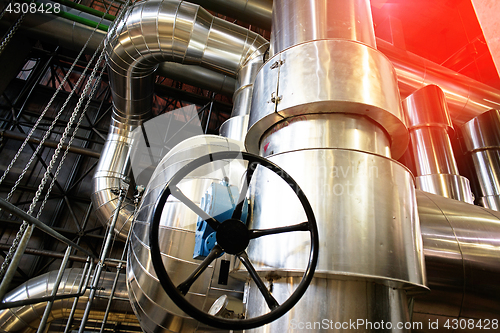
218, 201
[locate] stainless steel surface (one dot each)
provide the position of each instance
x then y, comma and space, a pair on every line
235, 128
466, 97
486, 168
111, 174
255, 12
170, 30
430, 125
329, 302
27, 317
55, 288
150, 33
427, 107
156, 311
446, 185
462, 247
432, 151
300, 21
326, 108
366, 212
334, 130
8, 207
481, 140
324, 77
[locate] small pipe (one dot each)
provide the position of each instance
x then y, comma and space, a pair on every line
113, 289
75, 301
58, 255
100, 265
48, 308
49, 143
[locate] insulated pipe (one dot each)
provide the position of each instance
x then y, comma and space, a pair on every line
481, 139
27, 317
458, 245
326, 108
429, 124
461, 247
237, 125
72, 35
466, 98
150, 33
255, 12
346, 20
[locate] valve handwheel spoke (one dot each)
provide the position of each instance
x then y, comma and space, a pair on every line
214, 254
176, 192
270, 300
256, 233
244, 188
233, 237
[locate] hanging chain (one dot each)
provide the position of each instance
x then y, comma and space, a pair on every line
14, 29
5, 8
24, 225
47, 133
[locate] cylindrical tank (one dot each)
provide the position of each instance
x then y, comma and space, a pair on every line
326, 109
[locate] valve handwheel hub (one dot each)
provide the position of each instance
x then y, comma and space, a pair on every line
232, 236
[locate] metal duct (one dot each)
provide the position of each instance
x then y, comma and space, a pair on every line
429, 124
255, 12
26, 318
150, 33
326, 108
481, 139
466, 98
462, 247
73, 35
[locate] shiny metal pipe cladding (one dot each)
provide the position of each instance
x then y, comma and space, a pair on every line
481, 140
150, 33
326, 108
430, 125
26, 317
155, 310
462, 247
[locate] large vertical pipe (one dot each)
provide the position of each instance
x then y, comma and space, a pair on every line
481, 139
326, 108
429, 123
237, 125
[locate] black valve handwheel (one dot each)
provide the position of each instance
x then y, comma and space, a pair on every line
233, 237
